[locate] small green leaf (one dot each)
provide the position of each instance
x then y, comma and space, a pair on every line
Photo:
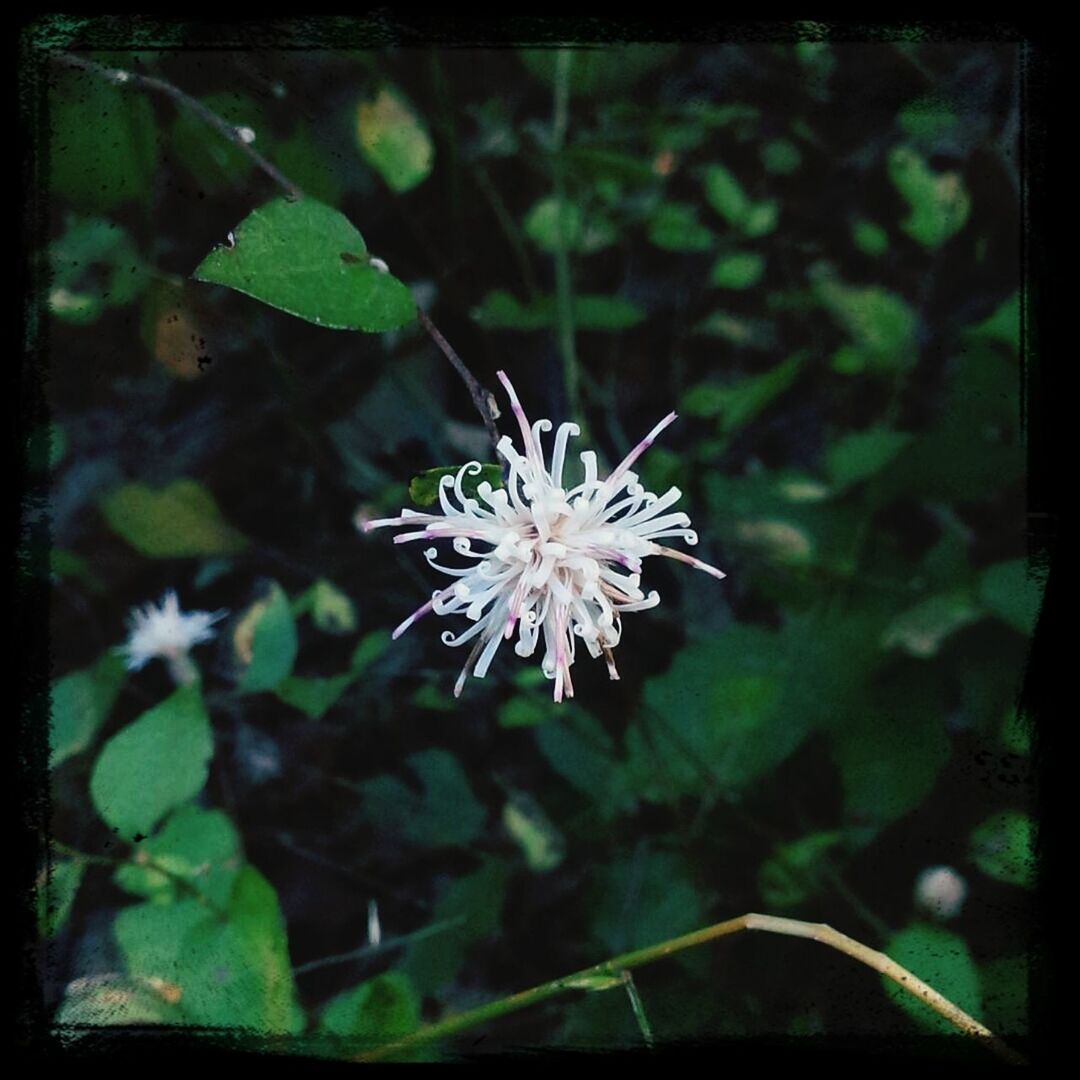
267, 635
307, 259
781, 156
881, 325
313, 695
793, 873
501, 311
55, 895
858, 455
1003, 847
302, 158
554, 225
675, 227
153, 765
939, 202
942, 960
737, 270
928, 120
1012, 593
921, 630
726, 196
178, 521
377, 1011
524, 712
94, 265
424, 489
445, 813
738, 404
393, 140
332, 611
540, 841
198, 846
370, 648
1003, 325
870, 238
96, 1001
81, 701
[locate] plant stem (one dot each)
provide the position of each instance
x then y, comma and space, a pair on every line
615, 968
564, 297
639, 1009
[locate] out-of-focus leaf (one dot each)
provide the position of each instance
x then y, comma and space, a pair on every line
180, 520
307, 259
738, 330
331, 610
198, 846
94, 265
736, 405
102, 147
870, 238
920, 630
643, 899
554, 224
501, 311
881, 325
175, 331
302, 159
424, 489
313, 695
375, 1012
370, 647
737, 270
394, 140
941, 959
55, 894
215, 163
525, 712
675, 227
265, 641
781, 156
1011, 593
444, 812
540, 841
793, 873
109, 999
727, 197
476, 900
599, 72
939, 202
927, 120
81, 700
153, 765
1003, 325
1005, 984
858, 455
1003, 847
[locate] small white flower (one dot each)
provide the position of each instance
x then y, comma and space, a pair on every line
940, 891
168, 633
555, 564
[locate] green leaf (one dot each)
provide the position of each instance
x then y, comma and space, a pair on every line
881, 325
214, 162
1012, 593
1005, 992
332, 611
313, 695
501, 311
102, 146
270, 628
153, 765
525, 712
793, 873
445, 812
726, 196
394, 140
855, 457
424, 489
928, 120
55, 894
476, 901
738, 404
97, 1001
308, 260
921, 630
199, 846
870, 238
370, 648
675, 227
541, 842
81, 701
781, 156
737, 270
600, 72
1003, 847
94, 265
375, 1012
939, 202
1003, 325
942, 960
304, 161
229, 968
178, 521
554, 224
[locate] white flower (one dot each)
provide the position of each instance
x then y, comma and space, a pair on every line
940, 891
553, 563
168, 633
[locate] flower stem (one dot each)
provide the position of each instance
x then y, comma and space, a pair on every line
617, 966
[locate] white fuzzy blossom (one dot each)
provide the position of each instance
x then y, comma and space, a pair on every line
168, 633
940, 891
553, 564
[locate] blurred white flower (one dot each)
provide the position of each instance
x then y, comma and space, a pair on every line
168, 633
940, 891
554, 563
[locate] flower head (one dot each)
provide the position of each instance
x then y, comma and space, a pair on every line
168, 633
554, 564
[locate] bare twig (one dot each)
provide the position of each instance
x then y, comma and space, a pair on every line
617, 968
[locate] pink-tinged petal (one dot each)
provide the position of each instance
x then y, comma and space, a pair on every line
697, 564
640, 449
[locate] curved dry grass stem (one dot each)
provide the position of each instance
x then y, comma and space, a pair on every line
615, 968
